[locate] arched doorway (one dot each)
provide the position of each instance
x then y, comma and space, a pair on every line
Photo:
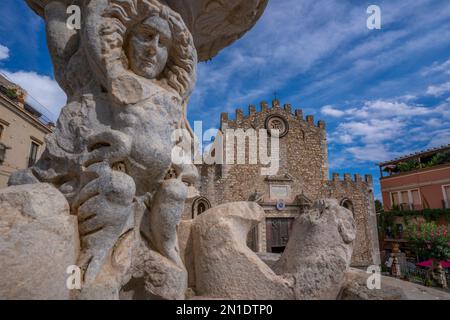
199, 206
348, 204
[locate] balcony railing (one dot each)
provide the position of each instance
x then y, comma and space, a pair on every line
428, 214
408, 207
437, 159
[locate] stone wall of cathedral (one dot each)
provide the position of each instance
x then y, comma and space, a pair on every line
303, 170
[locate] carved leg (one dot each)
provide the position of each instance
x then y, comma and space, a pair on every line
105, 211
165, 215
104, 204
319, 251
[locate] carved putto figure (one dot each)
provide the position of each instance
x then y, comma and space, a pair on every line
116, 129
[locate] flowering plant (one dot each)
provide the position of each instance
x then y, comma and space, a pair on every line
430, 241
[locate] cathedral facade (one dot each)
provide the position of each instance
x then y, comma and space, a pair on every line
302, 178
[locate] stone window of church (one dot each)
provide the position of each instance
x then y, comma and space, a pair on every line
199, 206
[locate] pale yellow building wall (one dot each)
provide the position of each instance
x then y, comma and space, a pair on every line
20, 128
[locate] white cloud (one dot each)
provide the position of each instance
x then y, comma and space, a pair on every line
4, 52
331, 111
433, 122
42, 88
370, 152
439, 138
274, 52
338, 161
407, 97
388, 109
439, 90
377, 130
379, 120
373, 130
345, 139
325, 42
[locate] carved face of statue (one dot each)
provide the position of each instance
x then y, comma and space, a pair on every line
149, 46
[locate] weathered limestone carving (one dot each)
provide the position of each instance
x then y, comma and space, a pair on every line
224, 266
216, 24
116, 130
319, 251
38, 241
128, 73
313, 266
355, 288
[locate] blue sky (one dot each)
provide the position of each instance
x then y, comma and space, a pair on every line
383, 93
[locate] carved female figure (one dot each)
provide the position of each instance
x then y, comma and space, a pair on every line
112, 146
149, 60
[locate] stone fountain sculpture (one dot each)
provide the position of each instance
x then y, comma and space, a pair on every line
128, 74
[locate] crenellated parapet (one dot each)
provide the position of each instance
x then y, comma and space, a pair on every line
227, 121
357, 178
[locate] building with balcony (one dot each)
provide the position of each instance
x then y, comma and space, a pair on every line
22, 131
417, 181
415, 190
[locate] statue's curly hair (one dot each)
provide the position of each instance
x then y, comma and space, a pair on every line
180, 70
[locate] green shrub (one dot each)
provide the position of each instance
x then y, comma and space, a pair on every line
439, 158
430, 241
408, 166
442, 158
11, 93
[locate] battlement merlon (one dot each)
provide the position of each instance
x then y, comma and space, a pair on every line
223, 117
288, 108
239, 115
264, 106
321, 124
368, 179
